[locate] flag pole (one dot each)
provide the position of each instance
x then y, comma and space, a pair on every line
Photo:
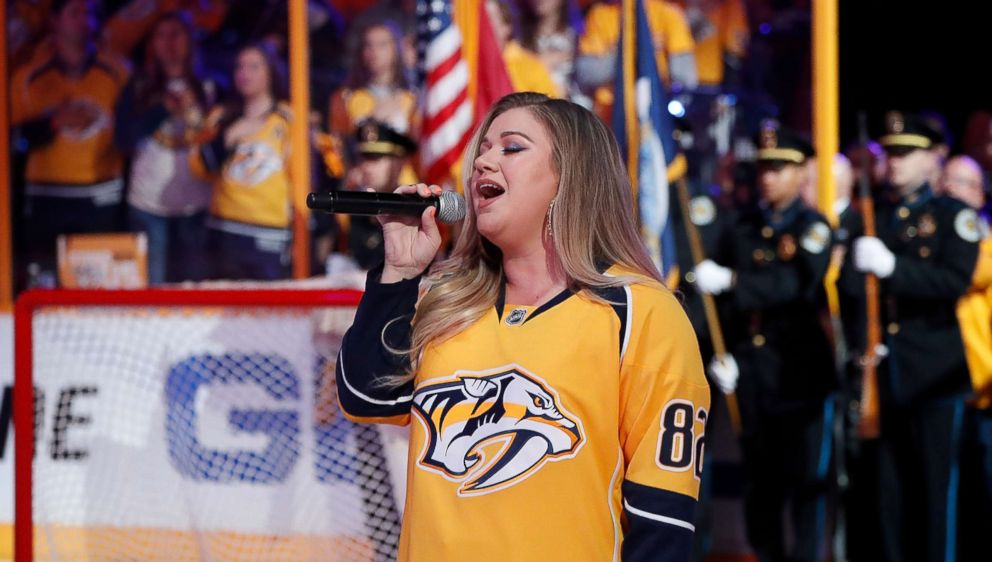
709, 303
299, 83
629, 19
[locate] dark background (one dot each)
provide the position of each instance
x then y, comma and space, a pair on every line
913, 56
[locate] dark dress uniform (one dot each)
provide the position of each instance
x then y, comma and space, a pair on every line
715, 227
373, 139
786, 361
859, 495
924, 378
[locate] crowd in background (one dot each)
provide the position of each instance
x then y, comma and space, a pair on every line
157, 114
170, 117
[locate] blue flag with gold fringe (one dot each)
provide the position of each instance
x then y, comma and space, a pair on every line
644, 129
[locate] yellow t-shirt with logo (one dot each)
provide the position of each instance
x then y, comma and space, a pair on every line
553, 433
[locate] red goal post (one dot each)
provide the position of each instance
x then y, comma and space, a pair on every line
209, 434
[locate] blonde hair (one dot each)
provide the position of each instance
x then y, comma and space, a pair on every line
593, 226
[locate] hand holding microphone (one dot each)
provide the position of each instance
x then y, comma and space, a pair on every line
408, 222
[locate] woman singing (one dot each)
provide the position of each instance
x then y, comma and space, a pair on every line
555, 386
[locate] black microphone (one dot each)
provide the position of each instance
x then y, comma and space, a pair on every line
450, 205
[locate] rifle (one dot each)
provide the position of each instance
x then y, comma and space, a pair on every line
868, 408
709, 305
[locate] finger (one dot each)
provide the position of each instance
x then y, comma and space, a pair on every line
406, 189
429, 225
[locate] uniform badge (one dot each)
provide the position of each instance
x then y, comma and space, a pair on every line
966, 225
516, 316
927, 226
701, 211
786, 247
369, 133
816, 238
769, 133
894, 122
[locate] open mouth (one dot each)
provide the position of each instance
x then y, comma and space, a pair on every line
490, 190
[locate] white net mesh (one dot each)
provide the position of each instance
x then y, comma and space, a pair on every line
203, 434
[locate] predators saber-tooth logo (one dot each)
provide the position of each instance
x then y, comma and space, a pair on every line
491, 431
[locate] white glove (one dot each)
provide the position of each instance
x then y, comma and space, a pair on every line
724, 372
881, 352
712, 278
871, 256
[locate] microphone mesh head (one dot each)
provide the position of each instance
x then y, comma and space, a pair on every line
451, 208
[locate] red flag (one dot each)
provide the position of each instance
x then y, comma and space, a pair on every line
493, 79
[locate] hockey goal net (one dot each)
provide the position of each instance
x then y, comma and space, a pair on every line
174, 425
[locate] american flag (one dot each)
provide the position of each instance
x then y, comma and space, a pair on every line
448, 112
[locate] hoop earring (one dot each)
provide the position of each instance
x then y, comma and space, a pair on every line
550, 230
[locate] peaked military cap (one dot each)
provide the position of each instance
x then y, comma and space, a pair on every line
377, 138
777, 144
906, 132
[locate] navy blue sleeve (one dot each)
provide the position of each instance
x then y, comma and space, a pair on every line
946, 278
214, 153
131, 125
383, 317
36, 132
659, 524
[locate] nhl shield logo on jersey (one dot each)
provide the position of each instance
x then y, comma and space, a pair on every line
490, 431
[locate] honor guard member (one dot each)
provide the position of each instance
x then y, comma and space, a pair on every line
780, 256
923, 255
963, 180
714, 223
382, 154
856, 469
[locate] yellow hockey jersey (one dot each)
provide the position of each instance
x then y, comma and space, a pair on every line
571, 431
69, 155
253, 184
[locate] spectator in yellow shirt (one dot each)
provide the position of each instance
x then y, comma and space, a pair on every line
551, 28
527, 71
376, 87
62, 107
248, 159
719, 28
673, 44
962, 179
